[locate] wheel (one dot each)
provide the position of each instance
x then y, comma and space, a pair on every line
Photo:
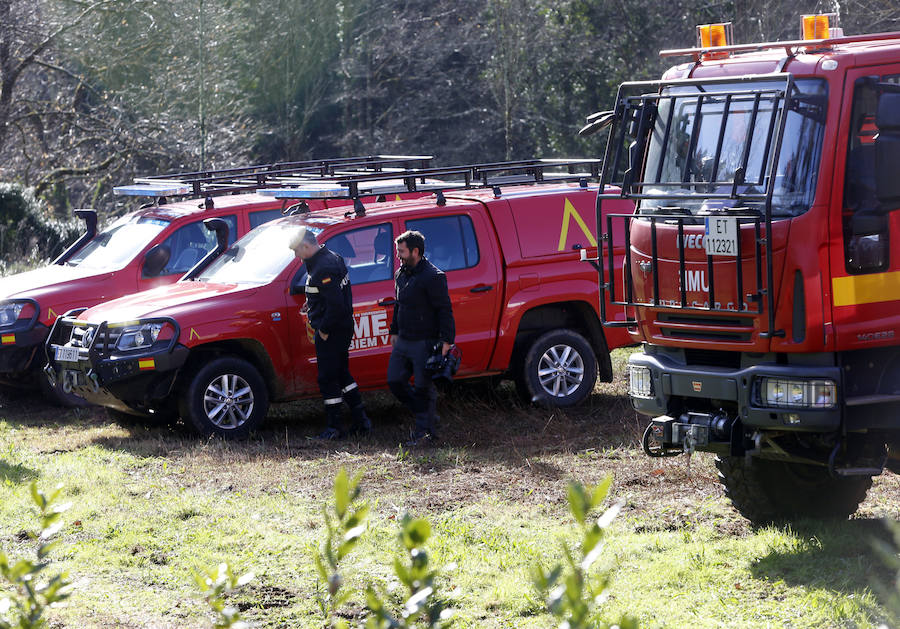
764, 490
225, 397
559, 370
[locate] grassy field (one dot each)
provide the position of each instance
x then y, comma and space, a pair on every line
152, 504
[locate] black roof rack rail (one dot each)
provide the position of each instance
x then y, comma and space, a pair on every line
443, 178
255, 177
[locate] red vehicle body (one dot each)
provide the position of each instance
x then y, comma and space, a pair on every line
763, 270
152, 246
522, 300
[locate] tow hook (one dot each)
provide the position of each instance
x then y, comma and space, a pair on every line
68, 378
50, 372
94, 381
687, 433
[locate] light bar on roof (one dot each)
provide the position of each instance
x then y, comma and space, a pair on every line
306, 191
155, 188
338, 191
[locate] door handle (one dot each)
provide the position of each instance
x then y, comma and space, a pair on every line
481, 289
387, 301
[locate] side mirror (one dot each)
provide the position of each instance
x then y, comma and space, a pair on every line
887, 151
156, 260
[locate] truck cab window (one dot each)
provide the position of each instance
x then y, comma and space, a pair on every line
450, 242
865, 226
189, 243
263, 216
368, 252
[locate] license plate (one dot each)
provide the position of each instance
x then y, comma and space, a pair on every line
67, 354
721, 237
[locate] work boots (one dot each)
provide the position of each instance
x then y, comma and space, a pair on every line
362, 425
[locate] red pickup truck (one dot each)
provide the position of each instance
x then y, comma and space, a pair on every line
152, 246
215, 349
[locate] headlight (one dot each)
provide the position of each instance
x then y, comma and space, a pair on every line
787, 393
640, 382
9, 312
138, 336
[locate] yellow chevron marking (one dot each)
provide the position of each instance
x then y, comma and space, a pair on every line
569, 211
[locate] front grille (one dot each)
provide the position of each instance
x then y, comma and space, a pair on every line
79, 332
713, 358
706, 328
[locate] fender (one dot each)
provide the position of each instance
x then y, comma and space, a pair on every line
520, 302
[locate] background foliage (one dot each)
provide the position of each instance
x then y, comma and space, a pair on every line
93, 92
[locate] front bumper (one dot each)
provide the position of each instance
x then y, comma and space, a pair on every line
19, 345
136, 380
678, 388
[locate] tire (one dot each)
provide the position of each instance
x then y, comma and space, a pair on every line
207, 406
559, 370
764, 490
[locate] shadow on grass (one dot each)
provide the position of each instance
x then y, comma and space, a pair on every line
16, 473
829, 555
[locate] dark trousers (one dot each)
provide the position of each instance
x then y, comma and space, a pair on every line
335, 381
408, 359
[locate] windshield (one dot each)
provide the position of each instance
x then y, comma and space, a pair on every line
699, 151
258, 257
118, 243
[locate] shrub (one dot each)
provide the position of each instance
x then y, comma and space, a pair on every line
890, 556
417, 575
215, 584
31, 596
345, 523
573, 591
28, 234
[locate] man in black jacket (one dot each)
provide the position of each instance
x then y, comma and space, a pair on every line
329, 303
423, 316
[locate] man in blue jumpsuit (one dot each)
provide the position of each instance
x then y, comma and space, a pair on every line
329, 302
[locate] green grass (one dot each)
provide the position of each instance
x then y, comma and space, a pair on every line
150, 505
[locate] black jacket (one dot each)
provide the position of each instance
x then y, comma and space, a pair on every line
328, 293
422, 310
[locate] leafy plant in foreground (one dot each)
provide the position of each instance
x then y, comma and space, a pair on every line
215, 585
26, 605
418, 576
345, 523
573, 591
890, 592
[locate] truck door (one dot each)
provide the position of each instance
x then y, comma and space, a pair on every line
462, 245
368, 253
866, 278
181, 250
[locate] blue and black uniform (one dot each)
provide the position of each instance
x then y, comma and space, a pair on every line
329, 300
423, 316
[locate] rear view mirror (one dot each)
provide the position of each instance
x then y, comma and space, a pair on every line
156, 260
887, 150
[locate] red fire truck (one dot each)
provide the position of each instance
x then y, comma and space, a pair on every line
762, 271
152, 246
215, 347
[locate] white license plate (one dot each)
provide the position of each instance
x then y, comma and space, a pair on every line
67, 354
721, 237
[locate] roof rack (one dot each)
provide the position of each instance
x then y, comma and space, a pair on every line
279, 174
485, 175
790, 47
